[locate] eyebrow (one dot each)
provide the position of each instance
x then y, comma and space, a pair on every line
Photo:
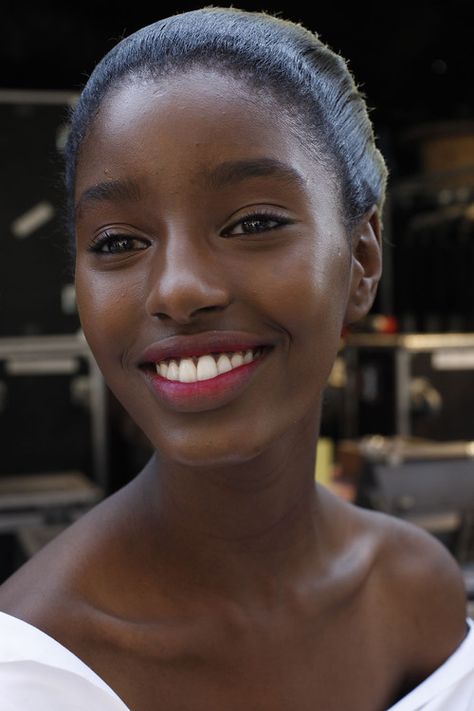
231, 172
223, 175
109, 191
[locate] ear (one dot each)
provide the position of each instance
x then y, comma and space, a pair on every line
366, 266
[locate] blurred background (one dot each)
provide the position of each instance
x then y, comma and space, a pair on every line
398, 419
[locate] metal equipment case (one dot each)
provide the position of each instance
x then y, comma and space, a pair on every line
418, 385
36, 294
430, 484
53, 419
53, 430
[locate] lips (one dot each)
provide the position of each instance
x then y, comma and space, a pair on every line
210, 392
208, 343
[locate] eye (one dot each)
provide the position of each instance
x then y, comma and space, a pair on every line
110, 243
255, 223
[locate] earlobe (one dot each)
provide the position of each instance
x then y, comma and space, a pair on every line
366, 267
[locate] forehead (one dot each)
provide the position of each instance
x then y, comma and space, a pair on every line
198, 91
189, 125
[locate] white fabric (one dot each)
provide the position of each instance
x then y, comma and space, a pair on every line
39, 674
450, 687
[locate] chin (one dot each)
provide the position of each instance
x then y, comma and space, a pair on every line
228, 437
207, 453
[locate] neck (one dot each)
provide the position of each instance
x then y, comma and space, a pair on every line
238, 527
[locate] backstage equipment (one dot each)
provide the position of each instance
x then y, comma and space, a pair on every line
412, 385
52, 407
37, 294
430, 216
53, 433
44, 500
430, 484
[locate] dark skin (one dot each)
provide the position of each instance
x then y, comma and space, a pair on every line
223, 578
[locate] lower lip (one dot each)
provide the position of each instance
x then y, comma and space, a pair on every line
204, 394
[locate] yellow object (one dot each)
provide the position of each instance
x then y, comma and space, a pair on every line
324, 461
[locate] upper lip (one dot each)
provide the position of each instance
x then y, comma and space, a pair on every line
201, 344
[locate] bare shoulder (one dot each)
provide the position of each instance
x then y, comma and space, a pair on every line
421, 588
56, 580
408, 554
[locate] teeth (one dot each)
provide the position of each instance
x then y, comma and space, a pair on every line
190, 370
173, 370
223, 364
187, 371
236, 360
206, 368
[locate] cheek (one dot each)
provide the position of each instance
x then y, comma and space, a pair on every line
310, 288
109, 313
313, 291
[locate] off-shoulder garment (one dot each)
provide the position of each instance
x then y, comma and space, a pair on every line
39, 674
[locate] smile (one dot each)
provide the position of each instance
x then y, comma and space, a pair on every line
204, 367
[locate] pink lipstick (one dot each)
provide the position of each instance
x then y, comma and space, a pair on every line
205, 371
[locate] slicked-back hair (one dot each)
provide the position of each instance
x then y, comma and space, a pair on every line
286, 62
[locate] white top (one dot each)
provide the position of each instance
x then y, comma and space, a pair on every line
39, 674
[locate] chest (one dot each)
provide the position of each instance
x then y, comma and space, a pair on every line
297, 671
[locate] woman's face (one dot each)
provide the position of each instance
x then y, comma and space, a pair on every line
204, 228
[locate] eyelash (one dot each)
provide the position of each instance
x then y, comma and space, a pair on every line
261, 216
109, 238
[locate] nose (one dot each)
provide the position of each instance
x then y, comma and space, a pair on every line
187, 281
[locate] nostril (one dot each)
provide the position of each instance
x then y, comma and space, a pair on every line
217, 307
186, 317
162, 316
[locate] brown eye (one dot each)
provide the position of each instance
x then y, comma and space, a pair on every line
110, 243
254, 224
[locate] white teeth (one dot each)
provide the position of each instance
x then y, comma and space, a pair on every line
187, 371
206, 368
223, 364
190, 370
236, 360
173, 370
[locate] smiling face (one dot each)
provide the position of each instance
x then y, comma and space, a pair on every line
204, 227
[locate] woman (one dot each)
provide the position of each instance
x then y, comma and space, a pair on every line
225, 195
